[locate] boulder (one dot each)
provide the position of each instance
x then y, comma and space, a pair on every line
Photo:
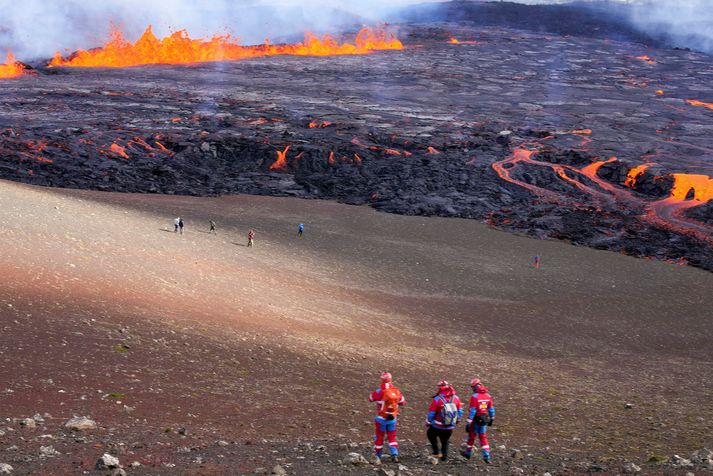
279, 471
630, 468
5, 468
107, 461
702, 456
81, 424
355, 459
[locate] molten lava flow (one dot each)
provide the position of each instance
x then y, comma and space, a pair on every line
330, 159
11, 68
433, 151
454, 41
634, 174
281, 163
702, 186
179, 48
520, 155
647, 59
319, 125
118, 150
693, 102
660, 92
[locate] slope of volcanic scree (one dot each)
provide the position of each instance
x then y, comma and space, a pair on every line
176, 342
569, 138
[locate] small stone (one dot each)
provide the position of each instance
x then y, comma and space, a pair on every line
107, 461
387, 472
135, 464
80, 424
629, 406
118, 472
5, 468
356, 459
222, 443
28, 423
678, 461
702, 456
261, 471
279, 471
596, 467
517, 454
48, 451
502, 448
38, 418
630, 468
517, 471
433, 460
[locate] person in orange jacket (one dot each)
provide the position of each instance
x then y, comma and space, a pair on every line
388, 399
480, 417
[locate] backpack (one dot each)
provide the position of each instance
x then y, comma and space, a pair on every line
449, 412
390, 408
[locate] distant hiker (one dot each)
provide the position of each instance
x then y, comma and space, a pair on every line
212, 227
300, 229
176, 222
536, 261
251, 237
480, 416
388, 400
180, 225
443, 416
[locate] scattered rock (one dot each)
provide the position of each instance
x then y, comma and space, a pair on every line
28, 423
5, 468
81, 424
135, 464
38, 418
222, 443
386, 472
261, 471
279, 471
107, 461
629, 405
517, 454
118, 472
630, 468
433, 460
48, 451
702, 456
356, 459
679, 461
517, 471
596, 468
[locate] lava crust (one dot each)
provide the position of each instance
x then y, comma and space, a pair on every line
531, 133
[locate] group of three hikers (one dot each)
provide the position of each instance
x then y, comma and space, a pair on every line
443, 414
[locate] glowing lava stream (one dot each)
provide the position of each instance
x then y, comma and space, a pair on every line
179, 48
672, 209
11, 68
693, 102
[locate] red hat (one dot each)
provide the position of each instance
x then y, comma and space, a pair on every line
475, 382
386, 377
443, 384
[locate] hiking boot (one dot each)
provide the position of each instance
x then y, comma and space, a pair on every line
438, 456
486, 461
466, 454
394, 458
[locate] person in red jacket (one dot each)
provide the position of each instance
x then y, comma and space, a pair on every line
388, 399
443, 415
480, 417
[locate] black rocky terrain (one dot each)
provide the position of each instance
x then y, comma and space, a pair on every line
430, 130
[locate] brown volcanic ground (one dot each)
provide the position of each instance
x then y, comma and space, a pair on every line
274, 349
222, 124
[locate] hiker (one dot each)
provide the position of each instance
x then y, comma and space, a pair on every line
175, 224
180, 225
212, 227
536, 261
388, 399
300, 229
480, 417
251, 236
443, 416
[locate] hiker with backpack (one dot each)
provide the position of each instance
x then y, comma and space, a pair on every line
251, 238
443, 415
300, 230
388, 399
480, 416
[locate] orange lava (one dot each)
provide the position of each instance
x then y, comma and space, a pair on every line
701, 184
647, 59
581, 132
433, 151
660, 92
119, 150
179, 48
319, 125
634, 174
454, 41
331, 160
281, 163
693, 102
11, 68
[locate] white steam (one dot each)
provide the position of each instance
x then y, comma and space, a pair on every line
37, 28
